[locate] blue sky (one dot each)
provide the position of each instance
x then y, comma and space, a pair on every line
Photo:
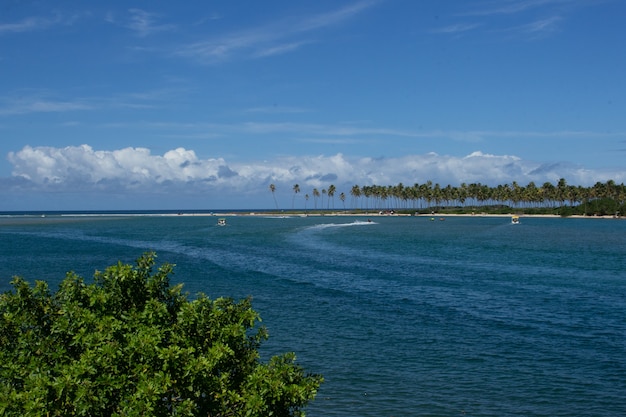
202, 105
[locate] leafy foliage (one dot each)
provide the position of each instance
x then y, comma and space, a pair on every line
132, 345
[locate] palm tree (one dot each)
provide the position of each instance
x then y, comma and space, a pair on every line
462, 193
316, 195
397, 192
273, 190
437, 194
448, 194
561, 191
306, 200
296, 190
342, 197
531, 194
331, 194
548, 192
611, 190
355, 192
427, 192
476, 194
367, 192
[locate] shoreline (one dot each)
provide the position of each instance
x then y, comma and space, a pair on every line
242, 213
377, 214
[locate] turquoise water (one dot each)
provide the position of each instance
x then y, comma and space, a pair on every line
471, 316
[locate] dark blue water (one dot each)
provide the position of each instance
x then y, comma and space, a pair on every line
471, 316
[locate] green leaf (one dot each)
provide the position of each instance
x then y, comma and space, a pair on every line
130, 345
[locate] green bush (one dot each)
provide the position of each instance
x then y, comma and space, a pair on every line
131, 345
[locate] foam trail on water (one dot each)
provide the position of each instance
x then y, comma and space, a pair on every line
331, 225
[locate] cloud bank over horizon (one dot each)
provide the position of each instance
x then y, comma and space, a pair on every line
136, 171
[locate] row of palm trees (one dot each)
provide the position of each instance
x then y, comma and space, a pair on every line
428, 195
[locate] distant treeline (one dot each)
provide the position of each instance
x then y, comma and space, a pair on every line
603, 198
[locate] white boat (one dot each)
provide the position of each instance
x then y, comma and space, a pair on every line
515, 219
221, 222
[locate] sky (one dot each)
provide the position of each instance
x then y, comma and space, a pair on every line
131, 105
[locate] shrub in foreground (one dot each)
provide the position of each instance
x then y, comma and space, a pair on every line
129, 344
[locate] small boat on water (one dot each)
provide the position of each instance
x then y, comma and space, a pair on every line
515, 220
221, 222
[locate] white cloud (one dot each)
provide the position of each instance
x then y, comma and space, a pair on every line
37, 23
517, 6
529, 19
29, 24
279, 49
267, 40
80, 167
41, 106
542, 26
136, 171
141, 22
458, 28
26, 101
335, 17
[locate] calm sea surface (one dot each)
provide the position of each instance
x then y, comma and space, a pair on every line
471, 316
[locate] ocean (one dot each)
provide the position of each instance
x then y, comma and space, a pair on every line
403, 316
